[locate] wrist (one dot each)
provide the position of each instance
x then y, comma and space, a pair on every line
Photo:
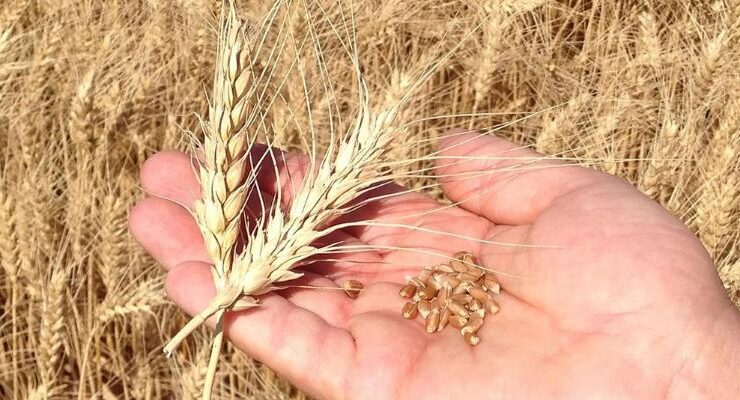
712, 362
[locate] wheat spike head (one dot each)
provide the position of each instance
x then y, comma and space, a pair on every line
222, 173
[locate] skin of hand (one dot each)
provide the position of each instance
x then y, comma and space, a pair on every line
615, 298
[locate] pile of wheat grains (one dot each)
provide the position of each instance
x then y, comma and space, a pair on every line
457, 294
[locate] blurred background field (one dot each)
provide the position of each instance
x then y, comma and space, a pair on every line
647, 90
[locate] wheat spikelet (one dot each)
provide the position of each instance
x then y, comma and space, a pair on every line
552, 139
397, 89
649, 41
498, 17
77, 215
81, 113
141, 299
193, 378
715, 206
29, 268
286, 240
655, 175
495, 24
51, 332
290, 117
8, 239
226, 139
226, 148
143, 382
40, 393
606, 123
111, 252
709, 63
729, 271
42, 205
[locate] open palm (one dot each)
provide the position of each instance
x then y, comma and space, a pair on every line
603, 290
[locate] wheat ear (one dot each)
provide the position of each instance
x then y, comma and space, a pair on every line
223, 169
226, 147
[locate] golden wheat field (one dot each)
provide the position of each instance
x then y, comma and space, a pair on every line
646, 90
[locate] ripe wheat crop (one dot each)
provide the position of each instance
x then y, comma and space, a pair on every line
89, 90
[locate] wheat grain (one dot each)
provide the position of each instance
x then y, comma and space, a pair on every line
352, 288
471, 339
474, 323
407, 291
457, 321
409, 310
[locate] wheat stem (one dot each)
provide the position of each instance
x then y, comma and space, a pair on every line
218, 339
192, 325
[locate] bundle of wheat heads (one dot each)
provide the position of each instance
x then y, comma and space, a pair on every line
277, 240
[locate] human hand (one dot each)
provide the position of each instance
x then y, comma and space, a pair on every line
615, 298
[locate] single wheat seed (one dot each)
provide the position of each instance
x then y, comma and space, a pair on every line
407, 291
433, 321
472, 339
425, 307
472, 326
409, 310
352, 288
457, 321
